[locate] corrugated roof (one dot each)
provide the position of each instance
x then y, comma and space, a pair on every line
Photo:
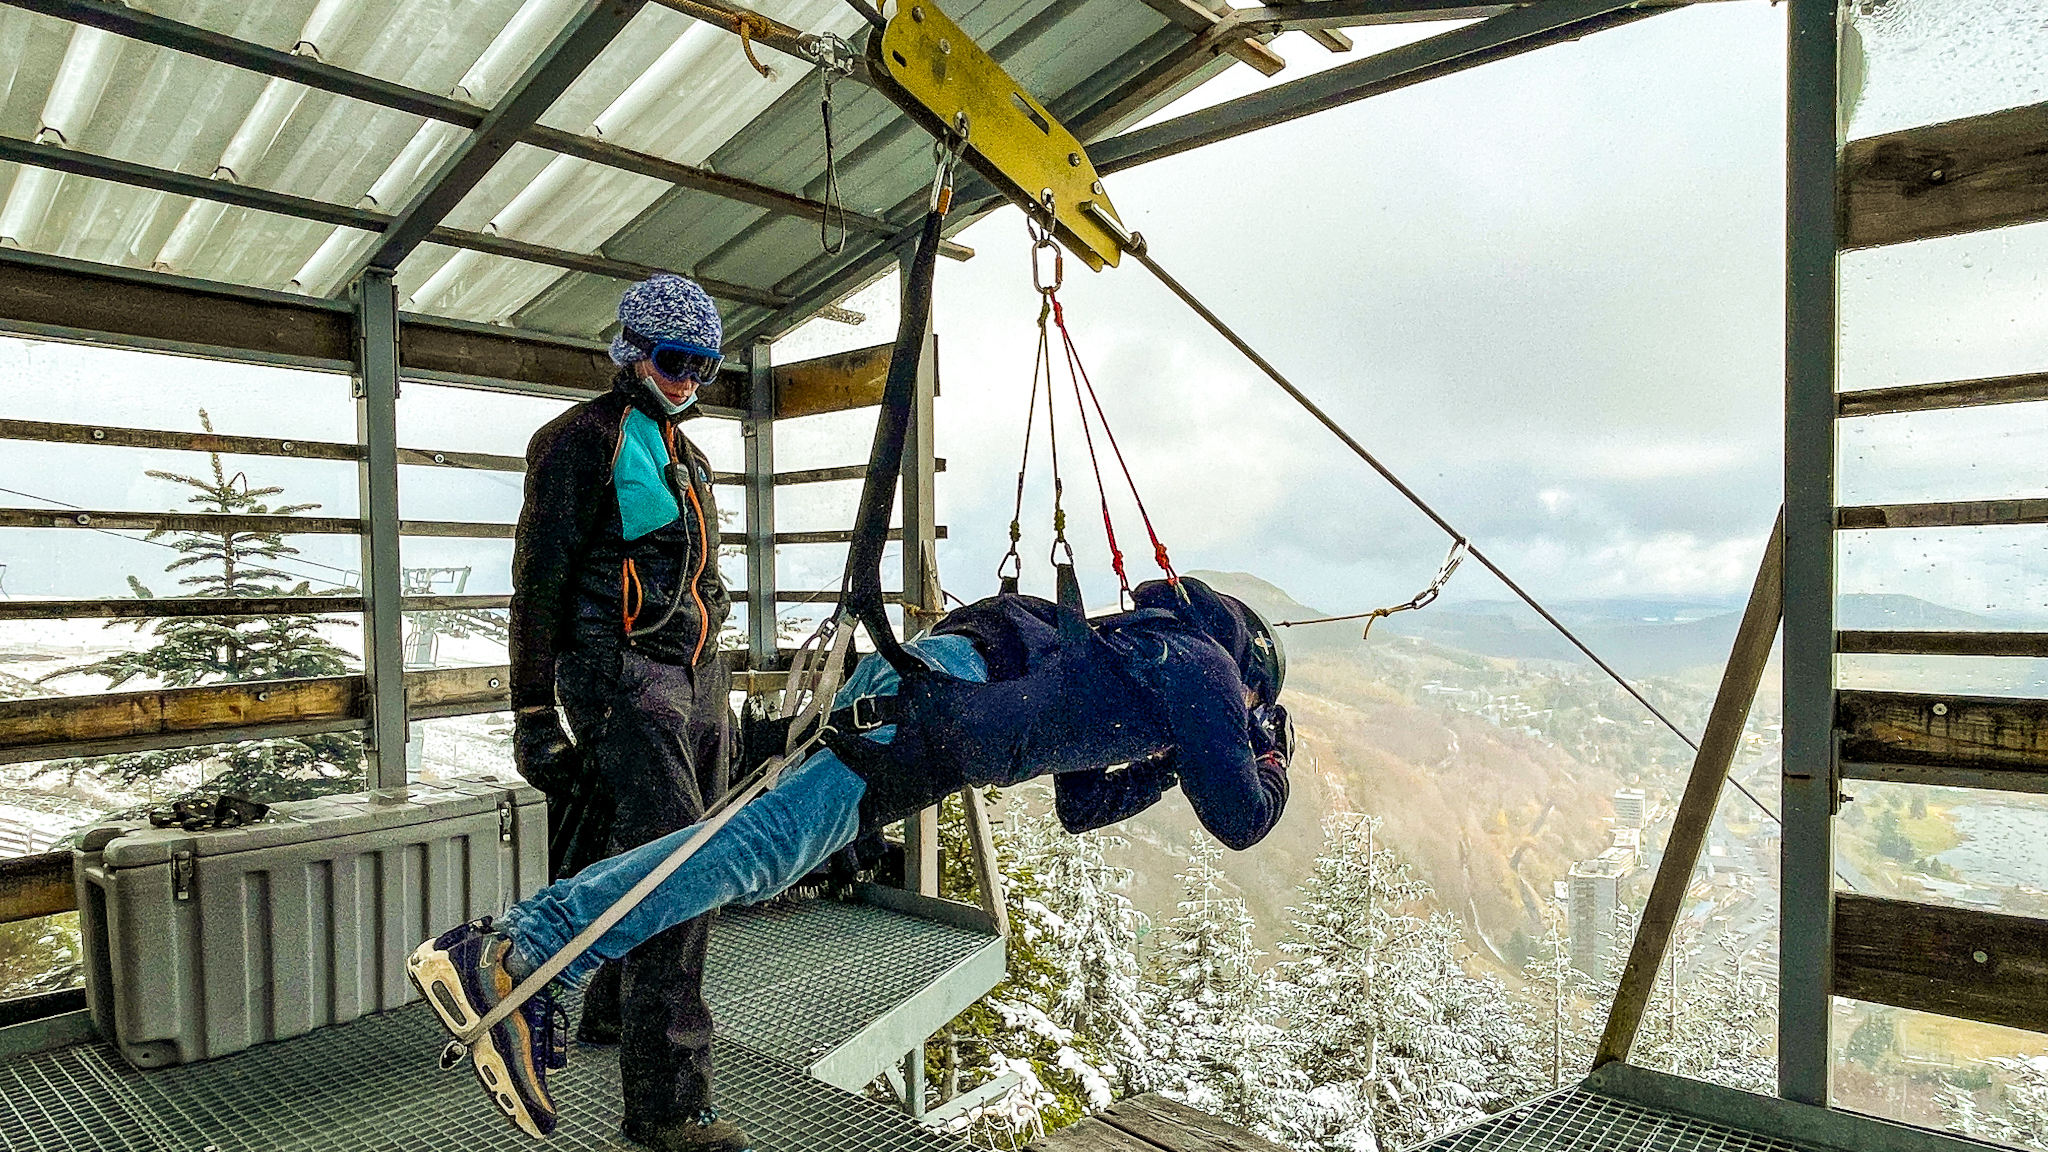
669, 86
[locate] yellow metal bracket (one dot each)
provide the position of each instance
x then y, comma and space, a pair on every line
944, 80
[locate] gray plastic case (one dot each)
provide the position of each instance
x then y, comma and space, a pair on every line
198, 944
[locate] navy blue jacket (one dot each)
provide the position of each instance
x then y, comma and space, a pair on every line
1147, 699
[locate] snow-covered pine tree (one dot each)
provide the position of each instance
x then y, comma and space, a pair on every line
1206, 1005
194, 650
1395, 1041
1066, 1016
1560, 1043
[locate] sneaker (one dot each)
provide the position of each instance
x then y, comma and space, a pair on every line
707, 1132
462, 974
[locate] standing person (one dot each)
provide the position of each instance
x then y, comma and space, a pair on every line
616, 606
1182, 692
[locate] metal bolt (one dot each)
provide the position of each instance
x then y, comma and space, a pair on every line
1941, 709
99, 434
82, 519
495, 682
945, 47
917, 14
1096, 187
260, 696
440, 459
1980, 956
288, 446
1073, 159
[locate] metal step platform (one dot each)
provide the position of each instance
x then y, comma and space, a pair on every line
1622, 1108
795, 986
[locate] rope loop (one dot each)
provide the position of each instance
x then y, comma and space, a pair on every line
749, 26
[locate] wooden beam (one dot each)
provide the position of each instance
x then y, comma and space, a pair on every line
59, 727
1963, 176
988, 871
835, 383
181, 607
1957, 514
174, 521
1089, 1134
213, 522
1933, 397
838, 536
467, 351
1959, 741
38, 885
1217, 36
136, 608
48, 433
43, 294
1974, 965
1703, 788
1942, 643
1173, 1126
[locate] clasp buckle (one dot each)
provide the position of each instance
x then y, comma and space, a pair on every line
873, 717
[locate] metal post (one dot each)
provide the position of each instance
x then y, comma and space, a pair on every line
913, 1081
758, 430
1695, 818
376, 393
920, 573
1806, 895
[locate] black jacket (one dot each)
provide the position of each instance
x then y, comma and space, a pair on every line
1157, 693
578, 583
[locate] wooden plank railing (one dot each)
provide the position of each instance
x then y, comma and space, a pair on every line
1962, 962
38, 885
1946, 179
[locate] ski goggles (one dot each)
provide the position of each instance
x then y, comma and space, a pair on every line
678, 359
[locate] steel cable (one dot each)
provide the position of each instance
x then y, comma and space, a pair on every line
1137, 247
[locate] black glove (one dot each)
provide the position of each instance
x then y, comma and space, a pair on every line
1275, 729
542, 751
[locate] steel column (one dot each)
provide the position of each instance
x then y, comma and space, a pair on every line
920, 576
1806, 896
758, 432
376, 392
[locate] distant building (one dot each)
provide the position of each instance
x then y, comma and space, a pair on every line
1595, 885
1631, 808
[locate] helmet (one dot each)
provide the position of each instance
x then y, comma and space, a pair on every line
1267, 652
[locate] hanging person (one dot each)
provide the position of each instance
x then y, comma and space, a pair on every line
1182, 691
616, 606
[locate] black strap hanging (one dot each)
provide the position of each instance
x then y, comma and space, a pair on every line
861, 587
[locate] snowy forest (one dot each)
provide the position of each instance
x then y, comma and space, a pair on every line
1365, 1033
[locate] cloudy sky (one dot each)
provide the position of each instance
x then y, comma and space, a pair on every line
1547, 292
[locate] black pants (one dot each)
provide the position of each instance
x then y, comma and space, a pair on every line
655, 737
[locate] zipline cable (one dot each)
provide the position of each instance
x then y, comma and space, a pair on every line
1137, 247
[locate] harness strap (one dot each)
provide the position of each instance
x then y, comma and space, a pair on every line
861, 594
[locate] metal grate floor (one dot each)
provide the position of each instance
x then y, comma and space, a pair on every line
373, 1085
796, 980
786, 982
1576, 1120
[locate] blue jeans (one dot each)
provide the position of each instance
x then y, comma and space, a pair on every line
812, 812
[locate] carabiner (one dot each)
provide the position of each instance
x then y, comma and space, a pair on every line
1059, 266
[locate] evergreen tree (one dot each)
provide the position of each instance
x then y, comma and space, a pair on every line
1065, 1015
1561, 1043
1206, 1004
1395, 1042
192, 650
